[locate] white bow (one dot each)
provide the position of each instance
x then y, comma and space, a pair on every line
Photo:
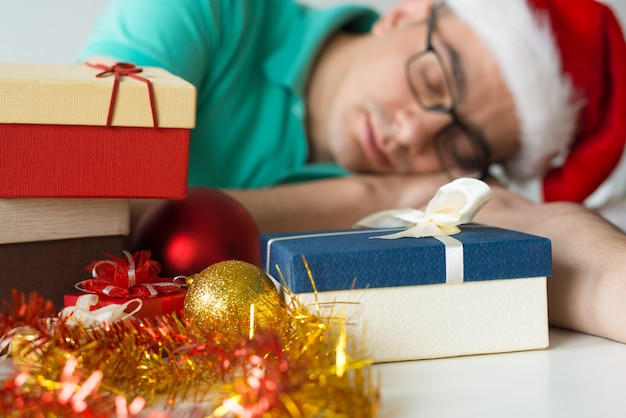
81, 313
454, 204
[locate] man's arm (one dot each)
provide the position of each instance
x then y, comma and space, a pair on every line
326, 204
334, 203
587, 291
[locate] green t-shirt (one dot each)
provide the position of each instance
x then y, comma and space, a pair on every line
250, 62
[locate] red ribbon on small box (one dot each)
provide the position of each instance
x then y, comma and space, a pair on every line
135, 276
125, 69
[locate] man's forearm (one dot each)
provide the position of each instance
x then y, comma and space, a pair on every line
323, 204
333, 203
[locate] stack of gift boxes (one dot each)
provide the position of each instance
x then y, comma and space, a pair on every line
77, 142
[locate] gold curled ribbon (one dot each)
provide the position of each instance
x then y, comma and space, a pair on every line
454, 204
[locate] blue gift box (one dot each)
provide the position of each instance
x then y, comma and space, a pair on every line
480, 291
354, 259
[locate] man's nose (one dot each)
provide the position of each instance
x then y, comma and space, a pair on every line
416, 128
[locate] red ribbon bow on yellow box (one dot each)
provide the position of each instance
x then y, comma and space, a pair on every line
125, 69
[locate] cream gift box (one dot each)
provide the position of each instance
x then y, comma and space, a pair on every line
79, 131
480, 291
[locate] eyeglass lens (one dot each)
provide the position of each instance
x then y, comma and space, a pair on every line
428, 81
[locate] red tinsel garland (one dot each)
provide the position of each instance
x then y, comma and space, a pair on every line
287, 369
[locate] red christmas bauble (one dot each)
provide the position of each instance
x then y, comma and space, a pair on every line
188, 235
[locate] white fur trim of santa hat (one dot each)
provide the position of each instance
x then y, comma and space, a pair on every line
523, 45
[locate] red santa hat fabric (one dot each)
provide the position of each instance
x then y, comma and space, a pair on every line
564, 62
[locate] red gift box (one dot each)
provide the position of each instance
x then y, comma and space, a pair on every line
78, 131
118, 280
157, 305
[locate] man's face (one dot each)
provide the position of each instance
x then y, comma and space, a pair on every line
375, 124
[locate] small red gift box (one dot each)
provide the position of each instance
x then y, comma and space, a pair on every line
79, 131
121, 279
154, 306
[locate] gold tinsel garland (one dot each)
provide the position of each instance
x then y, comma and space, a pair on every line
292, 364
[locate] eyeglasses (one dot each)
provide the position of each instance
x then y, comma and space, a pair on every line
460, 149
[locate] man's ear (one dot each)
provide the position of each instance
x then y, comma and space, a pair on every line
405, 11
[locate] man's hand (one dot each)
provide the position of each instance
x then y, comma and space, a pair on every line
588, 285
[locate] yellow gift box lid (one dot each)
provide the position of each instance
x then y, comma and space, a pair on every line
74, 94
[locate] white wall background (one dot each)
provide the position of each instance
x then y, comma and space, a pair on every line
53, 31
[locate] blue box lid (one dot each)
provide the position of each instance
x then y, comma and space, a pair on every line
348, 259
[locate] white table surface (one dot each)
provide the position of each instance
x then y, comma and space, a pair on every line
577, 376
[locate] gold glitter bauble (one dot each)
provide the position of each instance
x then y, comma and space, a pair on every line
221, 295
24, 350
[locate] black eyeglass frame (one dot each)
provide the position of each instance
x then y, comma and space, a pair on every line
478, 143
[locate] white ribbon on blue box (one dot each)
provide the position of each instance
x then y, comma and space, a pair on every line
454, 204
454, 259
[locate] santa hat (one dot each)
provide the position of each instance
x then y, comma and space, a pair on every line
564, 63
